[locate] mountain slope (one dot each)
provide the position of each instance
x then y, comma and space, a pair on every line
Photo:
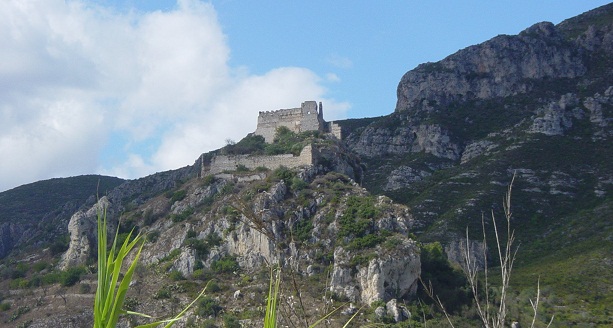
365, 219
45, 206
538, 105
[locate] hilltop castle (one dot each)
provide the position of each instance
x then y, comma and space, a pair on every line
308, 117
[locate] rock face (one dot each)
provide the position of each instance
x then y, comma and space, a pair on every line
556, 117
82, 226
404, 176
431, 139
391, 275
9, 234
498, 68
463, 125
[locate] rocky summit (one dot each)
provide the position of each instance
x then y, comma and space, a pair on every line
363, 208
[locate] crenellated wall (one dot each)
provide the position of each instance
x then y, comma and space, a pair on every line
308, 117
222, 163
305, 118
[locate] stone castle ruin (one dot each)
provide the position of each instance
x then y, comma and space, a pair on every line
308, 117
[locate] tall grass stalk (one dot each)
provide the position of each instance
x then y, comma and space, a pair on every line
491, 311
270, 317
112, 288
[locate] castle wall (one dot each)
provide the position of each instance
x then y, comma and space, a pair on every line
222, 163
305, 118
336, 130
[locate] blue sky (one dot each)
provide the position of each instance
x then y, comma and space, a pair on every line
129, 88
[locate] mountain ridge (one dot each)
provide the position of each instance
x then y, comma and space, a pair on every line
537, 106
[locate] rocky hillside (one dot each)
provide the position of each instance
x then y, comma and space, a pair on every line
333, 238
538, 105
377, 210
36, 214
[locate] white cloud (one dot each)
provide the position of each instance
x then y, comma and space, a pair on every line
73, 74
331, 77
339, 61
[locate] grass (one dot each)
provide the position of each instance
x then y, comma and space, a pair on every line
113, 285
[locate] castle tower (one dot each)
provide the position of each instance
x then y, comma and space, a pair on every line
308, 117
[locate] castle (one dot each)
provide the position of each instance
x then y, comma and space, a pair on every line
308, 117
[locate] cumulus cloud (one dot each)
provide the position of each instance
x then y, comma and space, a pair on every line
79, 82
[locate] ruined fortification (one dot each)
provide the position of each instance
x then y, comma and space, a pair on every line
308, 117
223, 163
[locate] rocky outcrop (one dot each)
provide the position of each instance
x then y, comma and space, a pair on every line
392, 274
9, 236
556, 117
500, 67
82, 229
599, 107
457, 251
82, 226
432, 139
477, 148
404, 176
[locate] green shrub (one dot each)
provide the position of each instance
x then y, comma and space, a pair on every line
367, 241
302, 230
207, 306
213, 287
242, 168
172, 255
391, 243
201, 274
358, 219
231, 321
148, 217
361, 259
191, 234
251, 144
153, 236
283, 173
208, 180
208, 323
182, 216
60, 245
19, 271
262, 169
226, 264
51, 278
298, 184
213, 239
5, 307
449, 284
377, 303
40, 266
199, 245
71, 276
19, 283
162, 293
176, 275
178, 196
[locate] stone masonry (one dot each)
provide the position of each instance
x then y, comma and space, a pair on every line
308, 117
222, 163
